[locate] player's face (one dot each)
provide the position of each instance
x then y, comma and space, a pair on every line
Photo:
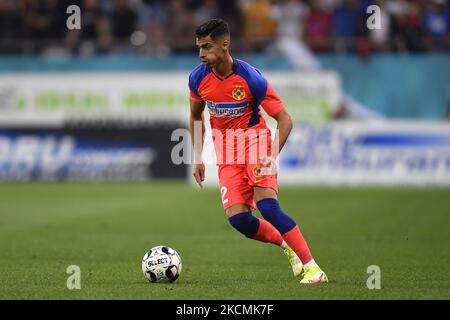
211, 52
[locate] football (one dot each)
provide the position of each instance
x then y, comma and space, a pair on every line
161, 264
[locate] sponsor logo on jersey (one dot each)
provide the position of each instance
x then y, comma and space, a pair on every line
223, 109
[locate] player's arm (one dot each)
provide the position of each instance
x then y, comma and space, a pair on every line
284, 127
197, 129
274, 107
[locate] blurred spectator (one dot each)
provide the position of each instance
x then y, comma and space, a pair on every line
35, 20
328, 5
181, 26
42, 24
259, 25
124, 20
289, 15
152, 12
72, 43
91, 14
364, 48
10, 25
156, 44
318, 24
437, 24
231, 11
346, 22
208, 9
408, 30
380, 37
346, 19
104, 35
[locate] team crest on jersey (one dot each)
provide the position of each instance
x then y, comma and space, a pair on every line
260, 173
238, 93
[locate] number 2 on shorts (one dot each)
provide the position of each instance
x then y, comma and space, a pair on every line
223, 192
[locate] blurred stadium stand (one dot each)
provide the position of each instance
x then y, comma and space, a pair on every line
159, 27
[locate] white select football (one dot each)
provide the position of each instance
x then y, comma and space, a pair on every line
161, 264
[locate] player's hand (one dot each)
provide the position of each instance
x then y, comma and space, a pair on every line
270, 163
199, 173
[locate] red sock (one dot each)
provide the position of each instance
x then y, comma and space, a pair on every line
295, 240
267, 233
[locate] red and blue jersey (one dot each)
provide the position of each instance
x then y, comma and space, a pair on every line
234, 100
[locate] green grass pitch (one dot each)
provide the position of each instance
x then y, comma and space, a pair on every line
105, 229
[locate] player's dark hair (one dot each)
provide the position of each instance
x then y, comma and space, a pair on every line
214, 28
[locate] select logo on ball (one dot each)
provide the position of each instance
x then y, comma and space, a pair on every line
155, 262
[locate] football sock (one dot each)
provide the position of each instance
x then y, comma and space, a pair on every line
295, 240
254, 228
267, 233
271, 211
310, 264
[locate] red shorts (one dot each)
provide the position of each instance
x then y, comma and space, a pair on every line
237, 182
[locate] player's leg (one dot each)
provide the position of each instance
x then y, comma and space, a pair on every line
267, 203
237, 200
241, 218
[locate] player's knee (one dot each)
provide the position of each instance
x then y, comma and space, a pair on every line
271, 211
245, 223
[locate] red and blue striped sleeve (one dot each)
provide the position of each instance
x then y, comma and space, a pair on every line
195, 79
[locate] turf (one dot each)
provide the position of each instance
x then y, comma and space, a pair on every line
106, 229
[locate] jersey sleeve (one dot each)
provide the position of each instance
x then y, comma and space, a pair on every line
271, 103
195, 78
194, 97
